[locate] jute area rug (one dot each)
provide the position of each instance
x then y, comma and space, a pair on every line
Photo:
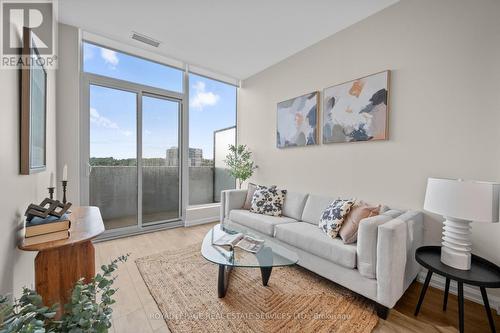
184, 285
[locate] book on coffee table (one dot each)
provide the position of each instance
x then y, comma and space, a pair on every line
240, 240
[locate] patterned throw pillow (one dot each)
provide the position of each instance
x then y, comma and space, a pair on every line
334, 215
268, 200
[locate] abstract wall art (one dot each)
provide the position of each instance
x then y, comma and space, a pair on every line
357, 110
297, 121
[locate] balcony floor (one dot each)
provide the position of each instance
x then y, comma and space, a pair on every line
127, 221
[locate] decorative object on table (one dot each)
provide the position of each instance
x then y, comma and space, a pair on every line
297, 121
64, 182
64, 186
483, 274
39, 226
88, 310
51, 192
268, 200
244, 242
239, 163
33, 109
357, 110
51, 187
334, 215
44, 238
460, 202
45, 208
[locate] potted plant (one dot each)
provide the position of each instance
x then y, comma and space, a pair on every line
239, 163
89, 309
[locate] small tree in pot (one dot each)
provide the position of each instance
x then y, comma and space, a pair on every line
239, 163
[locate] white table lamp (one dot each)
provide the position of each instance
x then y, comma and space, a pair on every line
460, 202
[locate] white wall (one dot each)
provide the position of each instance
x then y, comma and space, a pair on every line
445, 62
17, 191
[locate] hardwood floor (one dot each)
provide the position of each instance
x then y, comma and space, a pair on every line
136, 311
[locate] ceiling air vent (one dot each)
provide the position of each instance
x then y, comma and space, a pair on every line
145, 39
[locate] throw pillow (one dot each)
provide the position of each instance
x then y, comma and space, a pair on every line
333, 216
349, 230
268, 200
250, 191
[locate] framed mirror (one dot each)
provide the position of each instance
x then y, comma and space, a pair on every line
33, 108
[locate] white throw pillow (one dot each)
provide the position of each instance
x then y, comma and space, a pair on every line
334, 215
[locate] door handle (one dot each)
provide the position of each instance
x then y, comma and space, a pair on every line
89, 169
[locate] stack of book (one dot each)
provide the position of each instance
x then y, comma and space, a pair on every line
52, 228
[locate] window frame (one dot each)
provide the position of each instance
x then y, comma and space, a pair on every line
85, 41
87, 79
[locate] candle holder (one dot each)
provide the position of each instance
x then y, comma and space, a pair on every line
51, 192
64, 185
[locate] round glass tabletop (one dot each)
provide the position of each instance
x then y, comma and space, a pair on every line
270, 255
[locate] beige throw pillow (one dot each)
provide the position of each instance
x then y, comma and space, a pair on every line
250, 191
349, 230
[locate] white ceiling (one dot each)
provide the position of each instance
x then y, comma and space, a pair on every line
233, 37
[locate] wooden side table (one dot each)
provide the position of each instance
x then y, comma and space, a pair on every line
59, 264
483, 274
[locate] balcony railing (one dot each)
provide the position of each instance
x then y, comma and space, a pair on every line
114, 190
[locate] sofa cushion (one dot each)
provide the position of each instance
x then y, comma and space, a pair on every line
262, 223
314, 208
310, 238
294, 205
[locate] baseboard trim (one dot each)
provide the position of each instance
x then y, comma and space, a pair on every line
470, 293
211, 219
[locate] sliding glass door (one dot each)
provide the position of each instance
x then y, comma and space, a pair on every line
160, 160
112, 164
134, 155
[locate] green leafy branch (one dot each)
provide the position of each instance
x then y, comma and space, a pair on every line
239, 163
89, 309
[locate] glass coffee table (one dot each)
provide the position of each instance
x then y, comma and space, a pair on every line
270, 255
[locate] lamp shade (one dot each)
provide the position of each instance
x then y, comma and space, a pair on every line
463, 199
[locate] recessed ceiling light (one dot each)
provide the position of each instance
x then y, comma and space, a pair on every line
145, 39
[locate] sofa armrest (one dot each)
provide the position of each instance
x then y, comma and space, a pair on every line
231, 199
366, 247
397, 242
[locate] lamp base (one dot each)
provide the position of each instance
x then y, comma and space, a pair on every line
456, 246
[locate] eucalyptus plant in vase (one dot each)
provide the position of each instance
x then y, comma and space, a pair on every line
239, 163
88, 311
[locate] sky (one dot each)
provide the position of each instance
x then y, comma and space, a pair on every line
113, 120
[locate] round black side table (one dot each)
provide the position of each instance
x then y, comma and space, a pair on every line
483, 274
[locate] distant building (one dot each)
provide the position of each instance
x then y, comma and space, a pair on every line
195, 157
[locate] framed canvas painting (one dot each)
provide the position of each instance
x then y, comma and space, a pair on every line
297, 121
357, 110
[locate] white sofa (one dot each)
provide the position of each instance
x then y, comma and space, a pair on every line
380, 265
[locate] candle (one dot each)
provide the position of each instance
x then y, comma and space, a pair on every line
51, 183
65, 172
